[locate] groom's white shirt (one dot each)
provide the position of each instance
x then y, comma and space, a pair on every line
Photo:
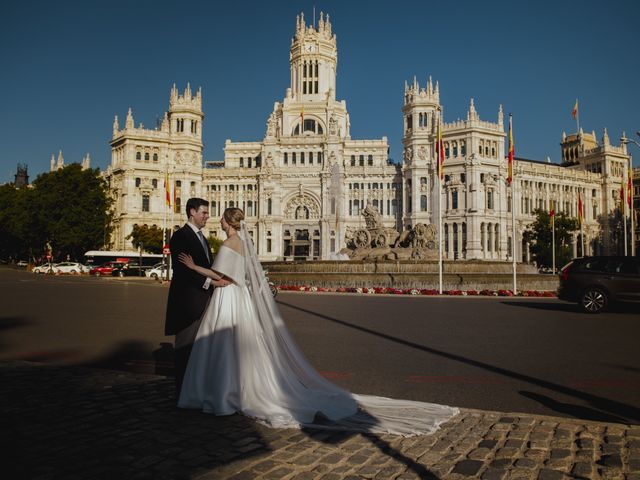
196, 230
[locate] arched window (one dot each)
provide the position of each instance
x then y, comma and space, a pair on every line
423, 203
362, 160
155, 157
138, 156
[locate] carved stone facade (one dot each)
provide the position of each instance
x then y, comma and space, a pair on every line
304, 186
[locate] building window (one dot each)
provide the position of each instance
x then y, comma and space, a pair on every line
353, 160
155, 157
293, 158
269, 203
154, 182
454, 199
241, 161
145, 203
176, 208
423, 203
249, 208
463, 148
490, 199
138, 156
301, 158
178, 183
370, 160
362, 160
137, 182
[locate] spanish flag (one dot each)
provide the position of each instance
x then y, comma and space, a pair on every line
167, 193
511, 152
574, 113
622, 200
552, 213
440, 150
580, 212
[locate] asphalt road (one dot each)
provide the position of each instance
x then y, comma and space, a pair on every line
502, 354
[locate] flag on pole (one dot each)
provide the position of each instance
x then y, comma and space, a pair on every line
622, 200
440, 151
580, 212
574, 113
167, 193
511, 152
552, 213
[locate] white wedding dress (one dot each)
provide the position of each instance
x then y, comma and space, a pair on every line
244, 360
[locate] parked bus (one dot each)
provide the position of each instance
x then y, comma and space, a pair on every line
94, 258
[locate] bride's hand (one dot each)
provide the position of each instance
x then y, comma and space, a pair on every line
187, 260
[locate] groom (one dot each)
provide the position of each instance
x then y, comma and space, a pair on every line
189, 292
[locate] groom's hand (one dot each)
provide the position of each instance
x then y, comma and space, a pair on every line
221, 283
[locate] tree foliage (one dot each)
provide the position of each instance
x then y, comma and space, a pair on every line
150, 238
540, 235
68, 208
214, 243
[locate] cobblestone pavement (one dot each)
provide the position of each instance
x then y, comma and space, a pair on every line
61, 422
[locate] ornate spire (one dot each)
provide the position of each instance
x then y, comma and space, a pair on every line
430, 86
500, 117
437, 90
60, 163
472, 114
165, 123
53, 162
605, 137
86, 162
129, 122
116, 127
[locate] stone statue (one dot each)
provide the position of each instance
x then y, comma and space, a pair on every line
333, 125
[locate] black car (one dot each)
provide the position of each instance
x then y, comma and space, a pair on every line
595, 282
130, 269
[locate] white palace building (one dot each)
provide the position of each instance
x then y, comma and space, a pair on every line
304, 184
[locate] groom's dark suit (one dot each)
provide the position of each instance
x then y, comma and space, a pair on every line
187, 297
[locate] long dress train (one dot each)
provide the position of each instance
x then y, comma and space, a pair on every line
244, 360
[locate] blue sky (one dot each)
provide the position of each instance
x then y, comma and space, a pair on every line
68, 67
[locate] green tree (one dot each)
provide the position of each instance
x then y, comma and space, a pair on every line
149, 237
539, 234
214, 243
71, 209
14, 222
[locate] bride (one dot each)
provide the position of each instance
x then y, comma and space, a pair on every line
244, 360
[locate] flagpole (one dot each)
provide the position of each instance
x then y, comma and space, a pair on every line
631, 212
577, 116
553, 243
438, 173
624, 221
513, 202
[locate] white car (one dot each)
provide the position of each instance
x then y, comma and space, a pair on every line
158, 272
45, 268
71, 267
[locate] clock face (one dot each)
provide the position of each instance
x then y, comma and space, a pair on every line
309, 47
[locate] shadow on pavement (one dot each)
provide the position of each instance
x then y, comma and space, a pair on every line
629, 413
576, 411
74, 422
623, 308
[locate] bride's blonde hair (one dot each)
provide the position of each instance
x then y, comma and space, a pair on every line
233, 216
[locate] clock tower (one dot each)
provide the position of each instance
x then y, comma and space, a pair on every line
314, 59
